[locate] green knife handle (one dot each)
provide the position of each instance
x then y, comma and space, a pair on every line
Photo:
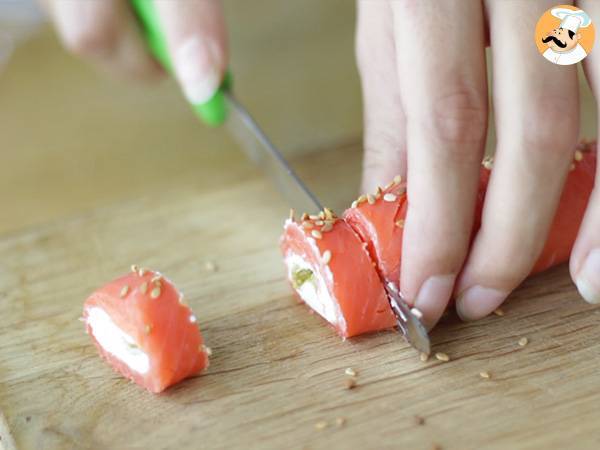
213, 112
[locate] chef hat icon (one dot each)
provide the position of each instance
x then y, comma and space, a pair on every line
570, 19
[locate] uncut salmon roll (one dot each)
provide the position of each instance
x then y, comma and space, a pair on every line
331, 271
144, 330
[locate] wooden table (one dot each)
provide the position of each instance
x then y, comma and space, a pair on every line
97, 175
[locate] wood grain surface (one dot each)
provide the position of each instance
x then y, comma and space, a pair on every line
98, 174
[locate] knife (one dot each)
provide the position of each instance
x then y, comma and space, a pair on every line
224, 108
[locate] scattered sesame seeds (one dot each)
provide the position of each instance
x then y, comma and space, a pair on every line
141, 272
124, 291
350, 383
350, 372
578, 155
523, 341
316, 234
155, 293
370, 199
499, 312
326, 256
397, 179
292, 214
144, 287
321, 425
400, 223
193, 319
327, 227
134, 268
417, 313
307, 225
389, 197
485, 374
419, 420
442, 357
210, 266
147, 329
423, 357
340, 421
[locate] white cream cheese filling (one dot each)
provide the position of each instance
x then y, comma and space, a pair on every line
116, 341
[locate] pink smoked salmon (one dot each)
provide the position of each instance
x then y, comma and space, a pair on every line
142, 328
331, 273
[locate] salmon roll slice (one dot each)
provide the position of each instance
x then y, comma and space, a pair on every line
331, 271
143, 329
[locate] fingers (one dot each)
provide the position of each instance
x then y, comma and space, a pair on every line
442, 79
536, 109
585, 258
196, 36
384, 124
105, 33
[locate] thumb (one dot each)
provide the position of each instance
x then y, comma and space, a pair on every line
197, 42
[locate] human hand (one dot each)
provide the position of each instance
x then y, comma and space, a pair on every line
423, 72
106, 33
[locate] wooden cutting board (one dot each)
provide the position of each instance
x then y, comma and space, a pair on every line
277, 373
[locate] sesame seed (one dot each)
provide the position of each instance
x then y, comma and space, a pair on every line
442, 357
321, 425
134, 268
488, 162
361, 199
124, 291
572, 167
307, 225
423, 357
370, 199
313, 217
327, 227
340, 421
354, 204
523, 341
292, 213
379, 191
328, 213
321, 215
156, 279
304, 217
400, 223
578, 155
205, 349
155, 293
350, 372
417, 313
350, 383
141, 272
147, 329
485, 375
419, 420
326, 256
499, 312
397, 179
193, 319
389, 197
144, 287
316, 234
389, 185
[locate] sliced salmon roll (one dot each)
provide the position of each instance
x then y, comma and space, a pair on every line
331, 271
144, 330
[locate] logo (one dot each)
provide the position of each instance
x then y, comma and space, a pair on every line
565, 35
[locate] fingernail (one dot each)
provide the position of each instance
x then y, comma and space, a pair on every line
478, 301
197, 69
433, 298
588, 278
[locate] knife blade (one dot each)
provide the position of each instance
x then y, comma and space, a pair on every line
260, 150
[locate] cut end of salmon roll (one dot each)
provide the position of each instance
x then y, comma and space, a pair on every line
331, 271
144, 330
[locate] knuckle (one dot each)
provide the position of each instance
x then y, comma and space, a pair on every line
460, 116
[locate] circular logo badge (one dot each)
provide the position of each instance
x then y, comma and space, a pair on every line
565, 35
